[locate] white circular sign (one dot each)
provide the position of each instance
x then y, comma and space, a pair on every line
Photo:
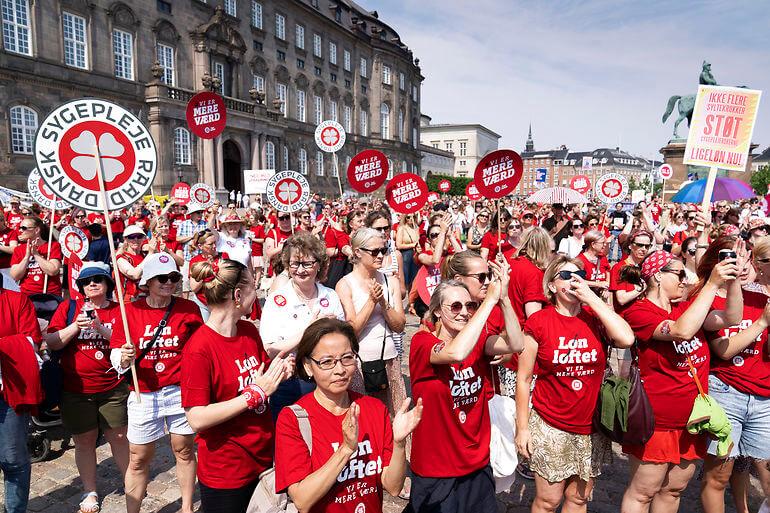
666, 171
288, 191
203, 194
74, 133
611, 188
329, 136
73, 240
41, 193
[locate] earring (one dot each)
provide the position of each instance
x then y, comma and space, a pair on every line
237, 304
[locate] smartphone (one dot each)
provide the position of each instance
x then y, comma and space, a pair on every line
727, 253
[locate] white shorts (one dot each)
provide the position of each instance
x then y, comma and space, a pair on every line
159, 412
185, 270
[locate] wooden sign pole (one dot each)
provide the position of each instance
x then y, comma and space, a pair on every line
50, 241
705, 205
337, 168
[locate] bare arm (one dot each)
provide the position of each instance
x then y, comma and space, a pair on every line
727, 347
356, 319
130, 271
531, 307
394, 315
523, 386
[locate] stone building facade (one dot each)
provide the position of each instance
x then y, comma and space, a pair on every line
468, 142
282, 66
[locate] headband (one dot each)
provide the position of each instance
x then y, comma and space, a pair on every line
654, 262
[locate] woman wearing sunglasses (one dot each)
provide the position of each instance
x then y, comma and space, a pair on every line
275, 237
451, 373
567, 341
491, 243
624, 292
158, 372
672, 351
689, 252
392, 264
130, 258
93, 398
162, 242
477, 230
32, 260
572, 245
407, 242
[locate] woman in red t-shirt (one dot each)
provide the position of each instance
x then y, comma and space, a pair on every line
161, 241
130, 260
206, 244
671, 343
490, 242
33, 263
93, 397
567, 341
595, 263
356, 452
226, 379
625, 293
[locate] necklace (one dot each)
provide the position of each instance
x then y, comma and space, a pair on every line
302, 297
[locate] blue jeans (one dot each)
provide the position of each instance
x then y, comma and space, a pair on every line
289, 393
749, 417
615, 252
14, 458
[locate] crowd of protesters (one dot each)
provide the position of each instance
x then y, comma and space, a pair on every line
268, 346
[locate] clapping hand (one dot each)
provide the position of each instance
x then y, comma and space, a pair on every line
375, 292
501, 271
406, 420
280, 369
350, 427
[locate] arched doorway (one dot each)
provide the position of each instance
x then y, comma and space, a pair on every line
231, 157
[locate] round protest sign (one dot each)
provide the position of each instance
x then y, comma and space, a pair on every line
203, 194
427, 279
329, 136
41, 193
367, 171
580, 183
73, 134
206, 115
472, 192
433, 197
73, 241
181, 193
666, 171
406, 193
498, 173
611, 188
444, 185
288, 191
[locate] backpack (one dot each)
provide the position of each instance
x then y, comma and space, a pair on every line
265, 499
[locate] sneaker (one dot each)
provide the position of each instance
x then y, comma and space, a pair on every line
524, 471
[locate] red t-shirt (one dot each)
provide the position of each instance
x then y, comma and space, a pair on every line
85, 360
663, 365
175, 220
595, 272
749, 370
526, 285
33, 280
117, 224
162, 365
336, 239
358, 487
492, 243
216, 369
571, 358
679, 237
259, 233
617, 284
144, 221
452, 439
13, 220
6, 237
130, 287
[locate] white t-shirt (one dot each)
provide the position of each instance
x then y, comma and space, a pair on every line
571, 246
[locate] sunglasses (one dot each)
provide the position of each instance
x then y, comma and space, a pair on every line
382, 229
305, 217
434, 235
593, 224
681, 274
375, 252
567, 275
644, 246
96, 280
691, 218
283, 218
528, 216
763, 260
482, 277
483, 216
514, 227
25, 228
691, 252
457, 307
135, 236
80, 216
172, 277
579, 225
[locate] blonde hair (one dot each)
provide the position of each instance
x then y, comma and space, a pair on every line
761, 247
553, 268
458, 264
535, 244
220, 278
437, 299
361, 237
156, 221
591, 237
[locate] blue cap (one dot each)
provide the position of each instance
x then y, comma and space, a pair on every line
95, 269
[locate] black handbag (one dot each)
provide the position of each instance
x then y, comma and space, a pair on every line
375, 372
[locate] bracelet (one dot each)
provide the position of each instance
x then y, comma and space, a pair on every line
256, 399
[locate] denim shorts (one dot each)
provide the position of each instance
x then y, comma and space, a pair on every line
750, 419
159, 411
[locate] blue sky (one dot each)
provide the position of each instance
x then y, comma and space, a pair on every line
587, 74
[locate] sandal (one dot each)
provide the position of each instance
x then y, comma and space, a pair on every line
87, 506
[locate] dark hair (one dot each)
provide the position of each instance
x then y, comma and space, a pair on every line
95, 229
504, 215
349, 218
374, 215
687, 242
315, 332
308, 245
710, 259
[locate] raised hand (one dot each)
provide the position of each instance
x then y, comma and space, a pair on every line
406, 420
501, 271
375, 291
350, 427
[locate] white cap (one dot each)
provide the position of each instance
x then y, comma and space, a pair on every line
157, 264
134, 229
193, 207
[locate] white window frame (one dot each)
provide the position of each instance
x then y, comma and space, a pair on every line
335, 167
332, 52
302, 159
401, 81
333, 110
448, 146
75, 39
401, 125
347, 116
363, 67
317, 45
318, 109
301, 106
259, 83
256, 14
231, 7
24, 125
346, 60
17, 28
319, 163
269, 155
299, 36
166, 56
123, 54
285, 158
182, 147
387, 75
219, 71
384, 121
280, 26
281, 92
363, 121
462, 148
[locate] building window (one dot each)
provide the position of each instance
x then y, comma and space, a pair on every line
401, 125
317, 50
74, 31
318, 71
332, 53
257, 45
414, 92
333, 77
335, 168
230, 7
165, 56
364, 122
385, 121
463, 148
280, 26
299, 37
401, 81
333, 110
404, 166
462, 163
303, 161
259, 83
363, 67
256, 14
347, 83
386, 75
281, 55
285, 158
448, 146
16, 26
346, 60
319, 109
219, 72
123, 51
182, 147
363, 89
319, 163
163, 6
347, 117
301, 112
415, 140
23, 128
280, 92
300, 64
390, 169
269, 155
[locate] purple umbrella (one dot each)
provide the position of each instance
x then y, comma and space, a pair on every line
725, 189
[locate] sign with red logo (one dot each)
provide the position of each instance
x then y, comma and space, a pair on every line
288, 191
427, 279
580, 183
666, 171
433, 197
73, 241
329, 136
181, 193
41, 193
203, 194
611, 188
472, 192
69, 140
367, 171
406, 193
444, 185
324, 302
498, 173
206, 114
73, 273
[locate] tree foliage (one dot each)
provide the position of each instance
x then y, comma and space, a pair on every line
458, 184
760, 180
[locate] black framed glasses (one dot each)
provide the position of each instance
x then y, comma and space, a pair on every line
283, 218
375, 252
170, 277
96, 280
643, 246
434, 235
680, 274
25, 228
307, 264
577, 225
528, 216
457, 307
328, 363
481, 277
567, 275
383, 229
135, 236
691, 251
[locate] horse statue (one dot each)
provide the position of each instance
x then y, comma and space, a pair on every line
686, 104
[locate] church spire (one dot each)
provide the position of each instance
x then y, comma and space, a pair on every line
530, 146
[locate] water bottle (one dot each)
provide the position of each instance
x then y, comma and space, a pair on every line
89, 309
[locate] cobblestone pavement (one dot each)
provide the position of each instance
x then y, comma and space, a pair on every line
56, 487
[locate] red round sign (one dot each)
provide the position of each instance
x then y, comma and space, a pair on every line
444, 185
498, 173
181, 193
367, 171
427, 279
433, 197
406, 193
580, 183
206, 115
666, 171
472, 192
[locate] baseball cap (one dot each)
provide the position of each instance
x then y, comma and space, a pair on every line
157, 264
193, 207
133, 229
